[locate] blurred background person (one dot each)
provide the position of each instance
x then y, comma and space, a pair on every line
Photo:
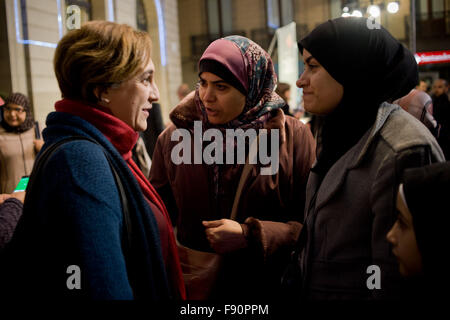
183, 91
420, 105
422, 86
299, 113
236, 91
2, 102
155, 126
441, 112
284, 91
74, 212
143, 150
364, 144
141, 157
419, 236
18, 142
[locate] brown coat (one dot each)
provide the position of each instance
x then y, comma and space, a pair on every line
17, 156
271, 206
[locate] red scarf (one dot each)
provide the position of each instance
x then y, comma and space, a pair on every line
123, 138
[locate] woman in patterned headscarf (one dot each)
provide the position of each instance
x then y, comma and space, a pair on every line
18, 144
235, 91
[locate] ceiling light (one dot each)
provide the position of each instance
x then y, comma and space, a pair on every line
392, 7
357, 13
374, 11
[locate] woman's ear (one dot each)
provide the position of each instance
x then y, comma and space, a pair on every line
102, 97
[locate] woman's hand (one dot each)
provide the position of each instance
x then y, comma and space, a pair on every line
38, 143
225, 235
20, 195
4, 196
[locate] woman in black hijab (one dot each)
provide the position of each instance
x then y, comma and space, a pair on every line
352, 72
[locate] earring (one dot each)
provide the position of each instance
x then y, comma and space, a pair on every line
105, 100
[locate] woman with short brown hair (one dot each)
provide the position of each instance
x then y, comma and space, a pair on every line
75, 213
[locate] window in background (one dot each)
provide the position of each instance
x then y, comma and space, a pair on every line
279, 13
220, 20
437, 7
141, 17
273, 14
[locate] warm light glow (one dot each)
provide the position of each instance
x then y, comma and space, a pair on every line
346, 14
345, 9
392, 7
357, 13
374, 11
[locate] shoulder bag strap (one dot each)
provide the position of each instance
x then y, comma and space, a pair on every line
245, 172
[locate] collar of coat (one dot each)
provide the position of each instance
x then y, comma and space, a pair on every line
186, 112
353, 158
360, 150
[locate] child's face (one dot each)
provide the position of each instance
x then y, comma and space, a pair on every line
403, 239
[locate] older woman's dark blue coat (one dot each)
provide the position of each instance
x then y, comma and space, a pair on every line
73, 216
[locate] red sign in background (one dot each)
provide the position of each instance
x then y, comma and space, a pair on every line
432, 57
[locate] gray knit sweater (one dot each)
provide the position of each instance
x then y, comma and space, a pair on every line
10, 212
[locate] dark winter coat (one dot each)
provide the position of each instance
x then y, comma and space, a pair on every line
349, 214
10, 212
271, 206
73, 217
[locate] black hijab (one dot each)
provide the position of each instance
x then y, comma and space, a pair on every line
371, 65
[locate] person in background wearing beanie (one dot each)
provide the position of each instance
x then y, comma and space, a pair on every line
236, 91
18, 143
419, 237
364, 143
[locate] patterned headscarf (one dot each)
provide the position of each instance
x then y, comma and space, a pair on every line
253, 67
261, 80
21, 100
